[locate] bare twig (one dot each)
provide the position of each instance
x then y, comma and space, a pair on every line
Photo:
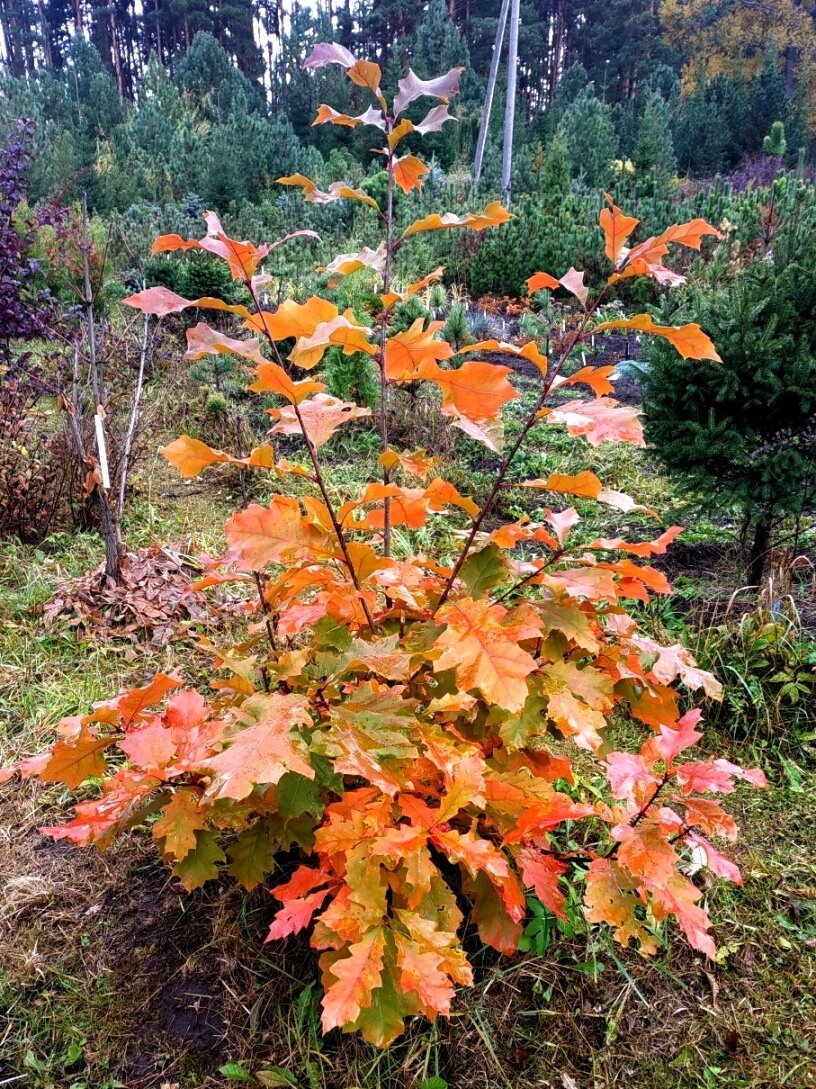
134, 416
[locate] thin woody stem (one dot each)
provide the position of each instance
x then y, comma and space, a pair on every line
514, 589
641, 813
389, 257
509, 458
319, 480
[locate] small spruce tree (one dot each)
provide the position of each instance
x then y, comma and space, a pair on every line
743, 432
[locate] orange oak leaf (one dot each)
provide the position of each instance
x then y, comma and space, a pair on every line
412, 289
708, 814
356, 977
493, 216
646, 258
477, 390
602, 420
178, 822
347, 263
680, 898
132, 703
441, 493
479, 856
75, 758
496, 926
541, 873
546, 815
296, 914
409, 172
583, 483
366, 73
656, 547
273, 379
327, 115
263, 751
167, 243
489, 432
409, 506
610, 897
421, 971
689, 340
344, 330
336, 191
191, 455
321, 416
279, 533
407, 351
577, 700
616, 228
484, 652
243, 258
597, 378
529, 351
98, 822
418, 464
541, 281
293, 319
647, 854
150, 747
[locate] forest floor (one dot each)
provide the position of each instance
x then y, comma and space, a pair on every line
111, 976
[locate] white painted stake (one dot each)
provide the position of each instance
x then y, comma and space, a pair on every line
103, 453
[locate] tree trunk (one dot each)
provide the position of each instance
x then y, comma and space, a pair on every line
45, 32
107, 523
491, 89
760, 550
116, 56
559, 34
510, 108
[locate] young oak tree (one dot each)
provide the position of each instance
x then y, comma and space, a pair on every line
395, 724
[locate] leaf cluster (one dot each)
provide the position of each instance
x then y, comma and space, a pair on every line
404, 721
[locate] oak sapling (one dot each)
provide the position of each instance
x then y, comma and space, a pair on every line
401, 707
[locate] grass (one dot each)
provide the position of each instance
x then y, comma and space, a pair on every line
109, 977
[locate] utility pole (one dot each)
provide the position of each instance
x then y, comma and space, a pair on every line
491, 90
510, 109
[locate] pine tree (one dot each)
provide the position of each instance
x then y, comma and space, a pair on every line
616, 41
701, 132
590, 136
769, 101
655, 146
555, 177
